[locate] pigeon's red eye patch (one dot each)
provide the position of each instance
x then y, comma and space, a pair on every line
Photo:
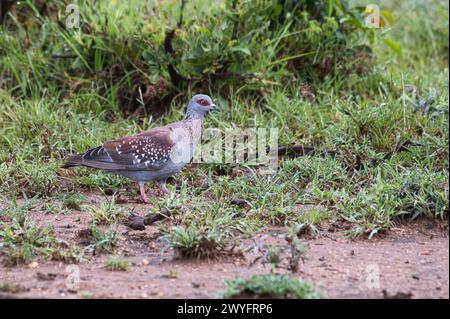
203, 102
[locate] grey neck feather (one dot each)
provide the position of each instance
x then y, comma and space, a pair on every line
193, 115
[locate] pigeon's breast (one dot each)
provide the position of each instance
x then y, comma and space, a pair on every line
186, 138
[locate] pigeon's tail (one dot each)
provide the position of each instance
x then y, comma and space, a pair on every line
94, 158
73, 161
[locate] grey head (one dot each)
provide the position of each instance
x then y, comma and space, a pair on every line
199, 105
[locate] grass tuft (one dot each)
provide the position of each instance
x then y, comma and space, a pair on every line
269, 286
106, 213
117, 264
22, 240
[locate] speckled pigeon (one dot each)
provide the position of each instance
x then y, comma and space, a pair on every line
155, 154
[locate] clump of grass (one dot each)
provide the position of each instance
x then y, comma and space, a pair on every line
194, 242
29, 177
63, 203
309, 220
98, 240
15, 209
106, 213
84, 294
269, 286
324, 173
12, 288
370, 211
117, 264
72, 201
103, 241
393, 194
206, 233
286, 256
52, 207
22, 241
424, 193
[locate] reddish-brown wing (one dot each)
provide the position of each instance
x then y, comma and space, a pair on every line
147, 150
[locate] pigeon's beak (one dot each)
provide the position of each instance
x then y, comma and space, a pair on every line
215, 108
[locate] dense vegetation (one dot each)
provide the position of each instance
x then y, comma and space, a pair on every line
372, 103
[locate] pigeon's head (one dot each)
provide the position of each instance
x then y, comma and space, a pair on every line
200, 104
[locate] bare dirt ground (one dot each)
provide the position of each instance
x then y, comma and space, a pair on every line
410, 261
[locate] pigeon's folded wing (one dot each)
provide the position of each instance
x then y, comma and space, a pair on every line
149, 150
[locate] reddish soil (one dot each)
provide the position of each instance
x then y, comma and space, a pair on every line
412, 260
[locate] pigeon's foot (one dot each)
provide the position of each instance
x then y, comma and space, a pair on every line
144, 199
142, 191
162, 186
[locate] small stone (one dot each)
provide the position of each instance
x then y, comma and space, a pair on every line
426, 252
157, 294
145, 262
33, 265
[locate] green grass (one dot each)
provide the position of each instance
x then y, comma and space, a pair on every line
72, 201
381, 136
100, 240
21, 240
12, 288
63, 203
206, 231
106, 213
269, 286
117, 264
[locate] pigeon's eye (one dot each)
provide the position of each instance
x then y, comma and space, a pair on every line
203, 102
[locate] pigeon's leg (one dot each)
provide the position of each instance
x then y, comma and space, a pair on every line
162, 186
142, 190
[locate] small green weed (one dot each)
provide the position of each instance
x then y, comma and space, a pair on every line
269, 286
117, 264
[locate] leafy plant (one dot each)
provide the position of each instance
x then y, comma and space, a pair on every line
269, 286
21, 241
103, 241
136, 52
206, 234
116, 264
106, 213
